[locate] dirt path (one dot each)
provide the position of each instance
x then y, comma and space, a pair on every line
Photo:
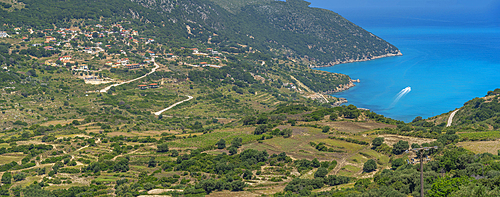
37, 163
307, 89
175, 104
301, 84
125, 82
114, 158
339, 166
450, 119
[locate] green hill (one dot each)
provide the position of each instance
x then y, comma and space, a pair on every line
288, 29
481, 112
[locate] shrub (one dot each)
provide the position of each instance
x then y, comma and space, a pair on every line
400, 147
321, 172
161, 148
370, 165
377, 142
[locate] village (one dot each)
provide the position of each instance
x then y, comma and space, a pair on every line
89, 51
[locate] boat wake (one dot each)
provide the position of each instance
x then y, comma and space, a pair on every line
400, 95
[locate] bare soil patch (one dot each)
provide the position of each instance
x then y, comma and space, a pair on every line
159, 191
62, 122
239, 194
142, 133
295, 130
393, 139
356, 127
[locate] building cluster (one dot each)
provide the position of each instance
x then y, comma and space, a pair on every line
290, 86
144, 87
125, 63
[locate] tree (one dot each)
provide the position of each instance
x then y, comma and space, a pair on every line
247, 174
260, 129
221, 144
377, 142
397, 162
325, 129
121, 166
315, 163
287, 132
370, 165
174, 153
19, 176
236, 142
415, 145
418, 118
321, 172
400, 147
334, 116
6, 178
233, 150
148, 186
152, 162
446, 186
237, 185
162, 148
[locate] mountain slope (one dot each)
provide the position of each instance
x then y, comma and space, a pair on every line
290, 29
477, 114
317, 33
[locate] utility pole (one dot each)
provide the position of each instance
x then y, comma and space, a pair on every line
421, 152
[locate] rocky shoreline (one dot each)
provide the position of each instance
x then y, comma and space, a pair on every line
343, 87
357, 60
339, 102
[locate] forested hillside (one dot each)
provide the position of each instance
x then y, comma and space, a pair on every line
290, 29
483, 112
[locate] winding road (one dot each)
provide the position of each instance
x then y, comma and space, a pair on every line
175, 104
450, 119
132, 80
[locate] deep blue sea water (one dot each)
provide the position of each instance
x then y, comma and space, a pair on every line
445, 62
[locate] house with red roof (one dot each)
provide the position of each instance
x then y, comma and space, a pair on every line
153, 85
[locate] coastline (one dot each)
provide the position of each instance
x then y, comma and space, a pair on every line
357, 60
342, 87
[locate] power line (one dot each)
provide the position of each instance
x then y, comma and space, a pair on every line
421, 151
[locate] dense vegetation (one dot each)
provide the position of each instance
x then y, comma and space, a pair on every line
325, 38
481, 111
250, 126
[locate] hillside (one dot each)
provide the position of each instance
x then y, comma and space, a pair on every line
205, 98
319, 36
479, 113
291, 29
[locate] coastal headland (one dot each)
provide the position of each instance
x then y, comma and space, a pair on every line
333, 63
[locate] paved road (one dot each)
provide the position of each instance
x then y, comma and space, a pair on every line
171, 106
450, 119
125, 82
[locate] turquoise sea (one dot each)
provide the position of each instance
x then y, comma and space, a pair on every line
445, 64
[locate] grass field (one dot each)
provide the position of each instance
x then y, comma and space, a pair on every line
8, 159
355, 127
210, 139
486, 135
349, 170
481, 146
